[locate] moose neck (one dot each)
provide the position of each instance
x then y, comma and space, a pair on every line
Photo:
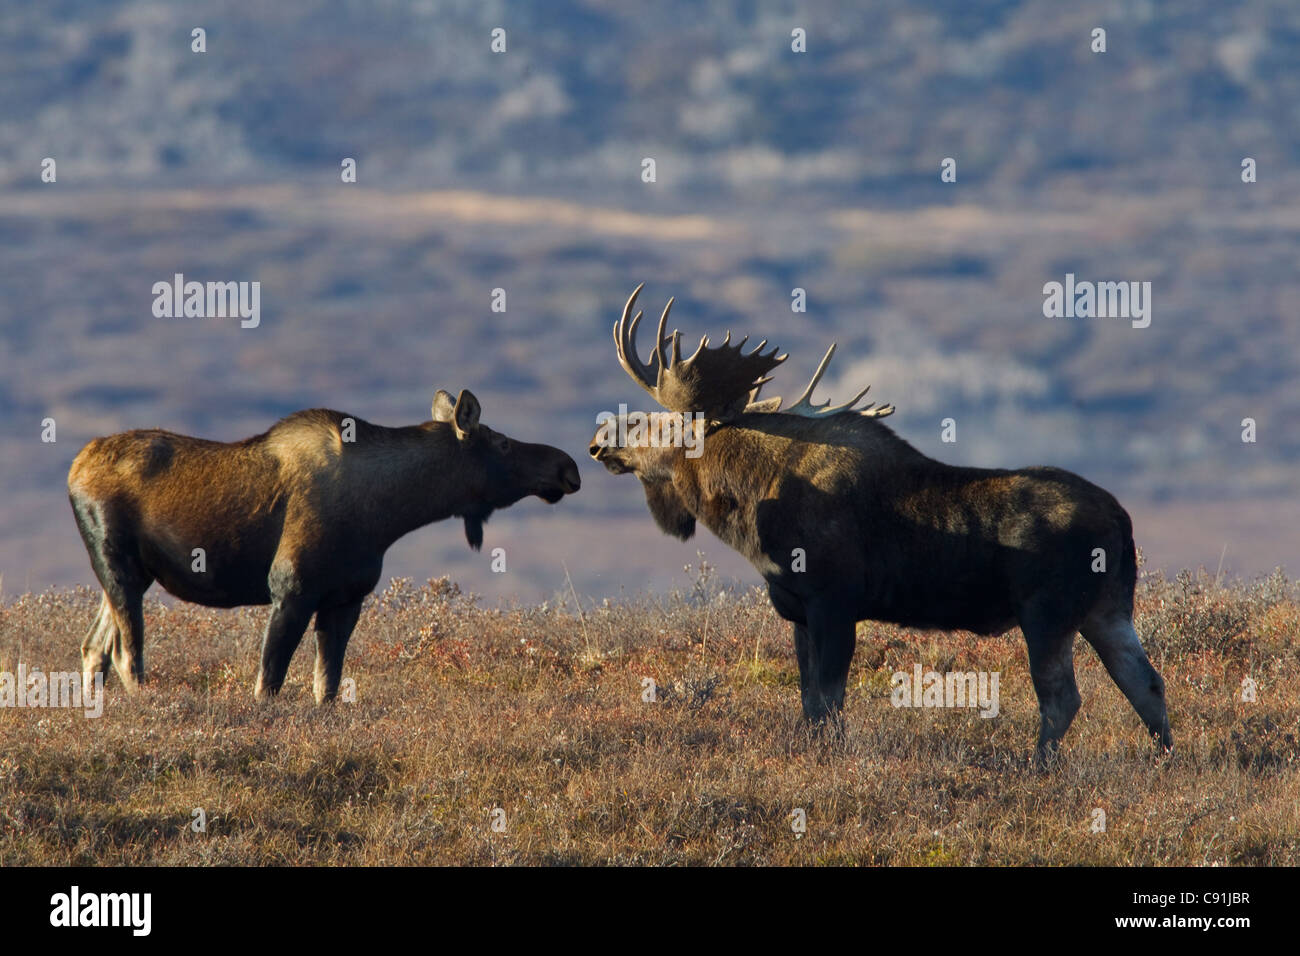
418, 475
740, 469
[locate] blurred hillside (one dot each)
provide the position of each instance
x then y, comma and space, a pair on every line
775, 170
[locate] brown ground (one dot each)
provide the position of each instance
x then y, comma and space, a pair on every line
462, 710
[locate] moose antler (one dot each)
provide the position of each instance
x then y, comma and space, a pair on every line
804, 407
716, 381
720, 382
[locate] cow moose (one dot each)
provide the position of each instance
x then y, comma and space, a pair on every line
846, 521
298, 517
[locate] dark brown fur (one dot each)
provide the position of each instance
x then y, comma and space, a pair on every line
889, 534
296, 517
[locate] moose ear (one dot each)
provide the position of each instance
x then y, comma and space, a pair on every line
443, 406
764, 405
464, 417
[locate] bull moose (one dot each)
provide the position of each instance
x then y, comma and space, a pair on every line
846, 521
298, 517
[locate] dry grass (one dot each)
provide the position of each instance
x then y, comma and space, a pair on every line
537, 711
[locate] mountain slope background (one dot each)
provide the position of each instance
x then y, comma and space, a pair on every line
775, 170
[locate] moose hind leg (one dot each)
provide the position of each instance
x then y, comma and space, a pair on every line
97, 648
120, 625
333, 628
289, 617
119, 629
1119, 648
128, 640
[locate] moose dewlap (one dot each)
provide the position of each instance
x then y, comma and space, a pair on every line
298, 517
846, 522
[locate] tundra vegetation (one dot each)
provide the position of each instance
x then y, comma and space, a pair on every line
539, 711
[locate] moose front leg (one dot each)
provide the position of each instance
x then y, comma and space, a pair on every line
803, 652
825, 649
289, 617
333, 628
824, 639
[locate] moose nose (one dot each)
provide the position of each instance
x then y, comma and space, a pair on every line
569, 479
